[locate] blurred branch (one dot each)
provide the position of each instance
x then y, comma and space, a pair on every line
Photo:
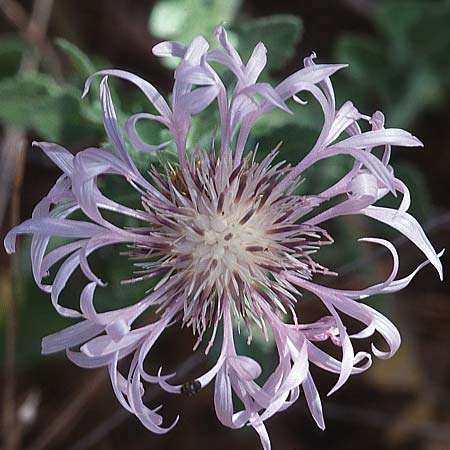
33, 28
11, 151
13, 147
365, 8
12, 164
91, 438
378, 419
69, 415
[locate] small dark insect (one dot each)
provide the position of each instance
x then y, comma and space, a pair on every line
191, 387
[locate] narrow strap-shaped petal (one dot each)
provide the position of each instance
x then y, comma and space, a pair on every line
313, 400
407, 225
70, 336
48, 226
313, 75
268, 93
256, 63
135, 140
58, 154
197, 100
223, 400
169, 48
148, 89
391, 136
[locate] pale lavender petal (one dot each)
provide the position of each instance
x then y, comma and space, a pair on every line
149, 90
70, 336
58, 154
398, 285
169, 48
236, 61
195, 51
407, 225
198, 100
313, 399
391, 136
259, 427
348, 355
345, 117
47, 226
111, 125
223, 401
256, 63
268, 93
245, 367
105, 345
135, 140
195, 75
309, 75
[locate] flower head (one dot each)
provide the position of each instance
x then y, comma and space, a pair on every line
230, 240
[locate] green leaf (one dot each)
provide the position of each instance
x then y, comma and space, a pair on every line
182, 20
19, 95
396, 18
58, 119
39, 103
417, 30
365, 56
421, 203
12, 48
280, 34
80, 60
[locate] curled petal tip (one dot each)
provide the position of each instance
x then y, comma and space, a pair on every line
441, 269
333, 390
10, 243
418, 141
85, 90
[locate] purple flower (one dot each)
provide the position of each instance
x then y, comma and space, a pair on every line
229, 240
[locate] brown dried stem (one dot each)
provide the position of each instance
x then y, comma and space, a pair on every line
13, 165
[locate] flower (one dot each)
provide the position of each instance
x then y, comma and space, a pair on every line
229, 239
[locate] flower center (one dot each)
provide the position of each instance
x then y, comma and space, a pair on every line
219, 243
228, 237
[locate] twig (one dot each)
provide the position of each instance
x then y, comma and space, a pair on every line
365, 8
14, 141
121, 415
70, 413
378, 419
13, 165
34, 30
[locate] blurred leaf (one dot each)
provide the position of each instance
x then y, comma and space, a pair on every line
80, 60
416, 93
364, 55
182, 20
19, 95
406, 69
280, 34
421, 204
36, 101
12, 48
396, 19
